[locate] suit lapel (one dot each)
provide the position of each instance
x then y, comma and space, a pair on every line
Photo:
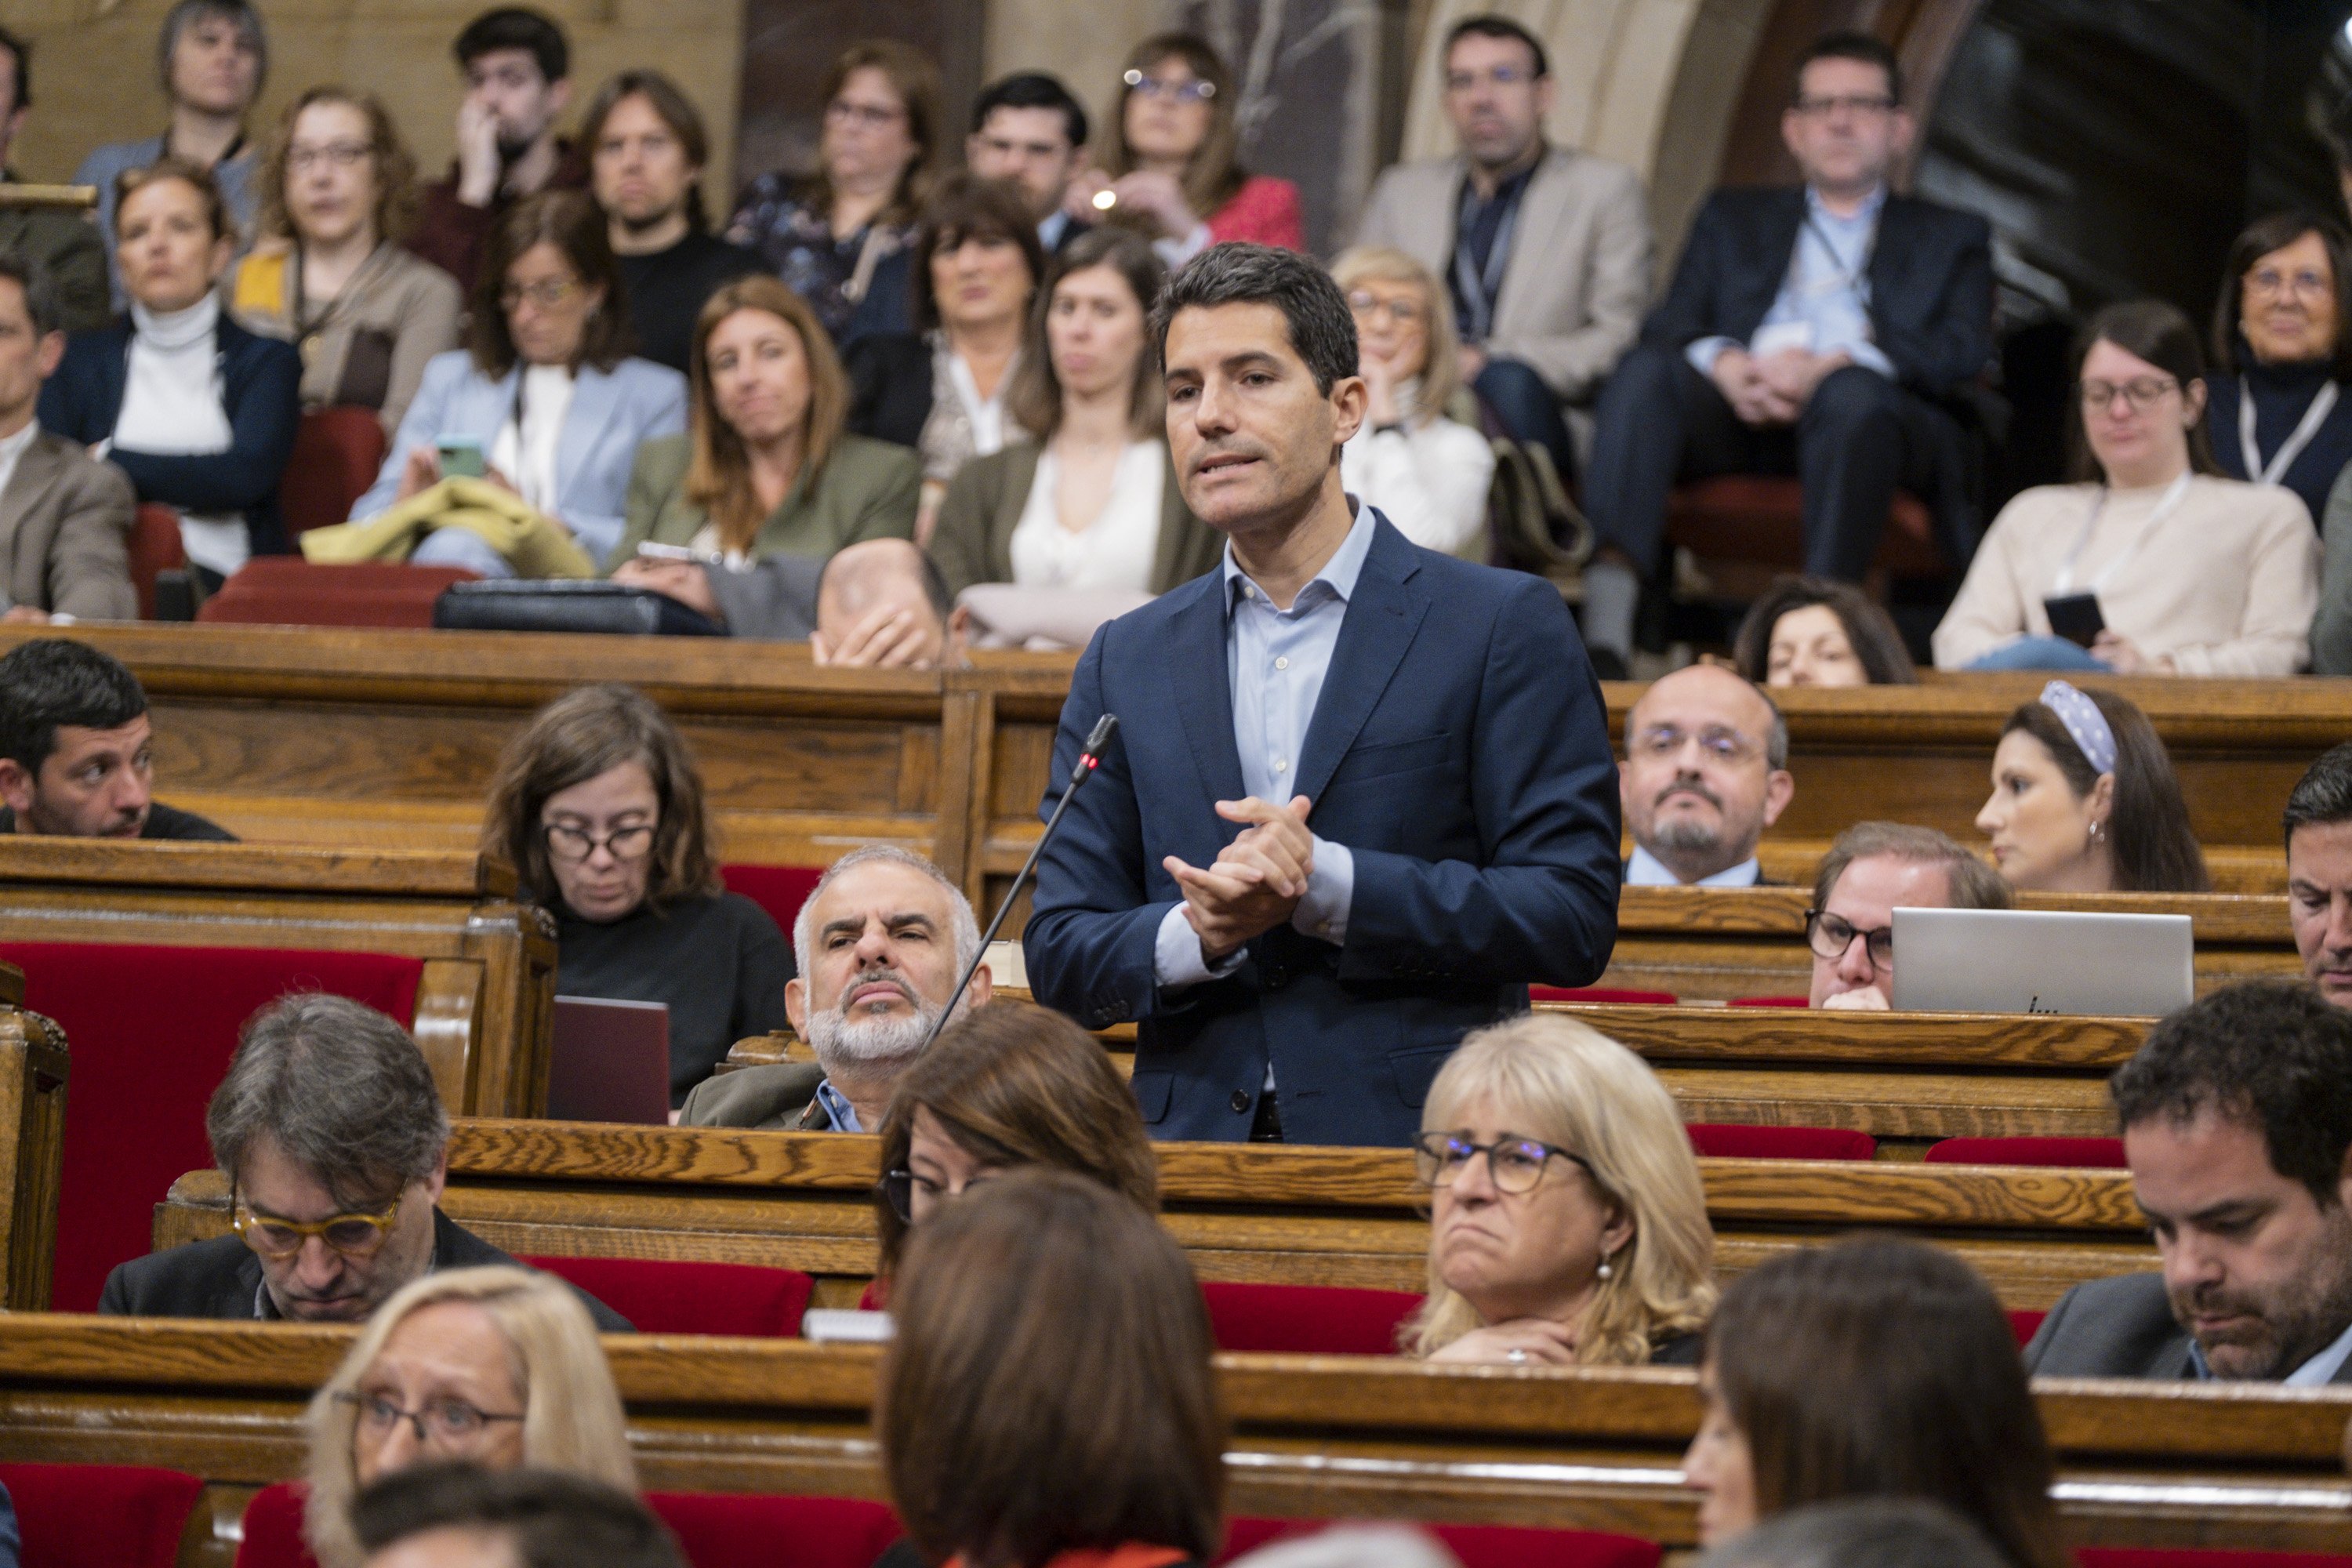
1776, 248
2171, 1362
594, 397
1383, 615
39, 471
1534, 263
1204, 697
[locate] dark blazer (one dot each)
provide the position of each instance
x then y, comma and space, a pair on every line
973, 540
222, 1279
1459, 749
2121, 1327
261, 380
889, 385
1930, 282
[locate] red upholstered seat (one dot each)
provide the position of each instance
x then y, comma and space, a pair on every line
2023, 1322
2094, 1153
100, 1516
1761, 518
337, 452
663, 1297
1307, 1320
2192, 1557
1602, 993
273, 1530
150, 1030
1723, 1142
779, 889
1478, 1545
1771, 1002
154, 547
728, 1530
288, 591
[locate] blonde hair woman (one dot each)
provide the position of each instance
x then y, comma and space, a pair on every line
498, 1367
1568, 1224
1427, 473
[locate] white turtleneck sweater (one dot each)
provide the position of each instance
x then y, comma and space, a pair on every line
175, 404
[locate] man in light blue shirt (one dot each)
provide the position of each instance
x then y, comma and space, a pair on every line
2237, 1119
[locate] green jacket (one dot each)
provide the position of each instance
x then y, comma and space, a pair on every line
972, 541
867, 490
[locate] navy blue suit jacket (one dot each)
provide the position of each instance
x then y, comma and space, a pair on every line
261, 384
1459, 749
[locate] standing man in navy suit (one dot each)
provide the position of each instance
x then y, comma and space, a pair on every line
1361, 794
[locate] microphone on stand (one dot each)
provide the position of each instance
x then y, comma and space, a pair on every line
1089, 756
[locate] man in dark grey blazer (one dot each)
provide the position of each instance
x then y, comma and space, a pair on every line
2237, 1117
333, 1139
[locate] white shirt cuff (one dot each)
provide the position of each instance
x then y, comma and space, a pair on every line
1176, 958
1702, 353
1868, 356
1322, 912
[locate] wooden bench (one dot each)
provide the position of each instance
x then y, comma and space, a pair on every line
1292, 1216
2140, 1464
485, 1003
33, 1066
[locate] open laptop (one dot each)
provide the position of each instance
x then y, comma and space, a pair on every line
611, 1061
2042, 960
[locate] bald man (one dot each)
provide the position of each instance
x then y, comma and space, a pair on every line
879, 605
1706, 772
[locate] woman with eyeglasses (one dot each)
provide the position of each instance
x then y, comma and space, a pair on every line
599, 809
545, 401
1009, 1085
2085, 800
2155, 563
2284, 326
1427, 473
498, 1367
1172, 169
840, 238
1567, 1223
330, 275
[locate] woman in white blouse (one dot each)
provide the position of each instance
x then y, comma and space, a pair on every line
1427, 473
1046, 541
2157, 565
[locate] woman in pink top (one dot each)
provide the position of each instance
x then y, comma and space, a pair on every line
1172, 166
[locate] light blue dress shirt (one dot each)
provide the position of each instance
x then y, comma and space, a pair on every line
840, 1115
1646, 870
2317, 1372
1274, 664
1827, 289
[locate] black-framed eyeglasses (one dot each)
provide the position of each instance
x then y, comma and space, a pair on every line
573, 844
2139, 394
1853, 103
1831, 935
1515, 1164
898, 1189
444, 1424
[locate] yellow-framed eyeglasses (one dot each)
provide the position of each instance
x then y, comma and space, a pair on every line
353, 1235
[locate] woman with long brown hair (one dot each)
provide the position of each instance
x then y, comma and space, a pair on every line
599, 809
767, 466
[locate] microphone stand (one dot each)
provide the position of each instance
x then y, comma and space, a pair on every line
1089, 757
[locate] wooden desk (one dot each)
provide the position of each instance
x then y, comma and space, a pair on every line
2140, 1464
486, 1001
1287, 1215
33, 1066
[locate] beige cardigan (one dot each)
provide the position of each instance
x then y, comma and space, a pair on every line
2226, 586
406, 309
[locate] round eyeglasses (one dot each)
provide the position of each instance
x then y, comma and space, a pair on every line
1513, 1164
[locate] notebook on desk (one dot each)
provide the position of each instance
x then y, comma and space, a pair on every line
2042, 960
611, 1061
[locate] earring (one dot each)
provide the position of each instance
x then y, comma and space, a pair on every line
1603, 1271
2099, 831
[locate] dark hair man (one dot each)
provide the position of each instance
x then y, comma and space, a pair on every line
1029, 129
2237, 1119
2319, 872
335, 1145
1820, 331
63, 515
75, 743
518, 70
1411, 748
53, 241
1546, 250
454, 1515
1874, 867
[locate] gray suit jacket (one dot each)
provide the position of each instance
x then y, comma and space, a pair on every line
2116, 1327
65, 526
1578, 281
780, 1096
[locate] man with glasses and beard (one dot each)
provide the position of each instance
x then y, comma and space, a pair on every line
880, 942
1706, 772
1873, 867
2237, 1119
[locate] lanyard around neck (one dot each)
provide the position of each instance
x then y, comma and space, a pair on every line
2173, 495
2323, 402
1481, 290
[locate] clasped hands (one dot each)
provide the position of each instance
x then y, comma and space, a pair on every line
1772, 389
1257, 880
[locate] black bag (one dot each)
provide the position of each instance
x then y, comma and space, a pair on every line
558, 605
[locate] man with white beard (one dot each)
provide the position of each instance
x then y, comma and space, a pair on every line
879, 944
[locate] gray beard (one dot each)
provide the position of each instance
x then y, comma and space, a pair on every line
860, 1047
1686, 836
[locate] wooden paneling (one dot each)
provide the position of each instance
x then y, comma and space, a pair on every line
33, 1066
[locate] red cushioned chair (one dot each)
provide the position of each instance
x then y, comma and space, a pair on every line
154, 547
2092, 1153
1770, 1002
1307, 1320
2191, 1557
273, 1530
288, 591
337, 453
728, 1530
1725, 1143
662, 1297
1478, 1545
100, 1516
1602, 993
150, 1030
2023, 1322
779, 889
